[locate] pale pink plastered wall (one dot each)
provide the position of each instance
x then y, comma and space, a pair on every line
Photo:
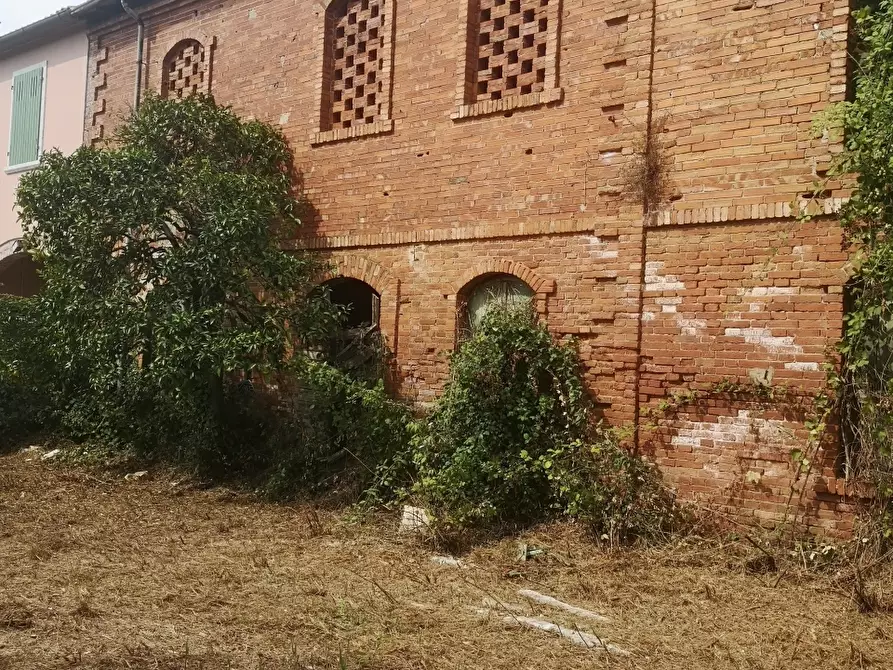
66, 60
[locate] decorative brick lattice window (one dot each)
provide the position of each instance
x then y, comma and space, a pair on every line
511, 56
185, 70
356, 81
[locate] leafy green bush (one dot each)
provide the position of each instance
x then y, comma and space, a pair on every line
165, 266
510, 440
331, 431
614, 492
864, 384
25, 397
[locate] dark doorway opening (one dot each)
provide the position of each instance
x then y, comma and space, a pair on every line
361, 302
19, 277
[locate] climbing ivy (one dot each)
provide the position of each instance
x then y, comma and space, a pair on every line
865, 380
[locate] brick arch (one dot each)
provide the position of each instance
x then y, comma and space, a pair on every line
373, 274
540, 285
161, 46
358, 267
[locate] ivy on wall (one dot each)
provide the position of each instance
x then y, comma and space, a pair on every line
865, 381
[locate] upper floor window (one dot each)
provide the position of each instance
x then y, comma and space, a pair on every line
185, 70
511, 56
26, 122
356, 79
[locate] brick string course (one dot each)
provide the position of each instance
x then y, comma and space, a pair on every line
731, 285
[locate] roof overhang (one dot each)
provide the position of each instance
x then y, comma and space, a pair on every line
56, 26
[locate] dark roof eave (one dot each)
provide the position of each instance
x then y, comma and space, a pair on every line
98, 10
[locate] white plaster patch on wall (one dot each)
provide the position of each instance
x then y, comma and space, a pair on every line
417, 256
806, 367
668, 305
761, 291
599, 249
763, 337
648, 316
654, 281
690, 326
738, 429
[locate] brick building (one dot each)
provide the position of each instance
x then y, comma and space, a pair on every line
444, 144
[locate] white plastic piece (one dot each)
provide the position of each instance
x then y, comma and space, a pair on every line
578, 637
415, 519
549, 601
447, 561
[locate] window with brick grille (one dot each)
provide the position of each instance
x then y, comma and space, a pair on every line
511, 55
356, 80
185, 70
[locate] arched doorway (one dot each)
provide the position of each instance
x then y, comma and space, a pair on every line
358, 347
18, 272
361, 302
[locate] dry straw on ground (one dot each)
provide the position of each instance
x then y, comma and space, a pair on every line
101, 573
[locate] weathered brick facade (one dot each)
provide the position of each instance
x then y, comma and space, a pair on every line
506, 153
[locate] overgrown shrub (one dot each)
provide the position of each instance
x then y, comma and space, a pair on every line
865, 383
618, 495
509, 440
166, 270
326, 431
25, 394
514, 398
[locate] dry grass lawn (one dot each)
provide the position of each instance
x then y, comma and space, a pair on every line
101, 573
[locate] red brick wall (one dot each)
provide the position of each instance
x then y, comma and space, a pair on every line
735, 302
438, 194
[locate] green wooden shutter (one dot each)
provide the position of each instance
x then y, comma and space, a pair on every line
27, 104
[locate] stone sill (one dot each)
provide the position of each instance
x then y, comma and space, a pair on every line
342, 134
487, 107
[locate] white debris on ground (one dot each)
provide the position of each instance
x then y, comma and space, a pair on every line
447, 561
50, 455
415, 520
508, 613
588, 640
549, 601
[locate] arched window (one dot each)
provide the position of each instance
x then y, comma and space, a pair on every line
360, 301
359, 346
480, 295
185, 70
